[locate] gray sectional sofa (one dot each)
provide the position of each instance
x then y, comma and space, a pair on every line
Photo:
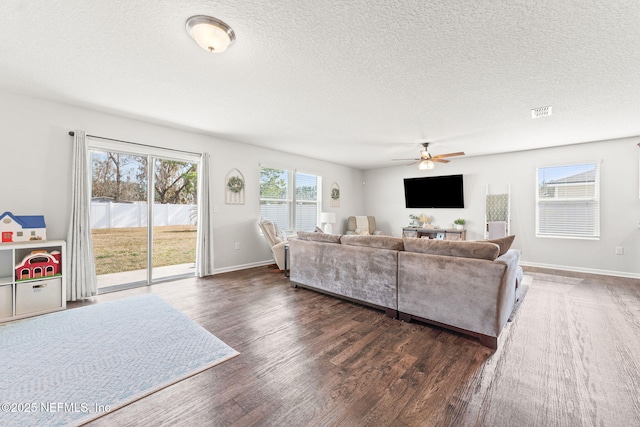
466, 286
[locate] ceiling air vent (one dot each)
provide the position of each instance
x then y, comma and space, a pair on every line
536, 113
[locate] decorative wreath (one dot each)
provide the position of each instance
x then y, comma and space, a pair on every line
235, 184
335, 193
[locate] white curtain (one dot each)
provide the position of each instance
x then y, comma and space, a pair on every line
204, 248
80, 266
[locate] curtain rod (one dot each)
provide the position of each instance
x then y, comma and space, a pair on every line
72, 133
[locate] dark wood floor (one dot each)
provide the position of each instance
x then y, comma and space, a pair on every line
571, 357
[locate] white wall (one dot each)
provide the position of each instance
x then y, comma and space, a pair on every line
620, 212
35, 171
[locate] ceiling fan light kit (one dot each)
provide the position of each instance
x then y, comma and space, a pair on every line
426, 165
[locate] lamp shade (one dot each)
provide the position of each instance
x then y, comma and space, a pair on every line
426, 164
328, 217
211, 34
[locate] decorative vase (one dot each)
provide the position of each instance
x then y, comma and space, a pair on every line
459, 226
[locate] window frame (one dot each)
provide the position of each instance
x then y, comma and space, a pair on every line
291, 200
596, 198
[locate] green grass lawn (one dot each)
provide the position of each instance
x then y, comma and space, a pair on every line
125, 249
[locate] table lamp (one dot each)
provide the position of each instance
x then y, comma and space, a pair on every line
328, 218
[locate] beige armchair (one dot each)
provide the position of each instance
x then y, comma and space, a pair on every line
276, 239
362, 225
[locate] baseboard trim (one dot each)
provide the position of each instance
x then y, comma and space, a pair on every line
242, 267
582, 270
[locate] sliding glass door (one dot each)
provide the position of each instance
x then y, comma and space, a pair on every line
175, 213
119, 217
143, 218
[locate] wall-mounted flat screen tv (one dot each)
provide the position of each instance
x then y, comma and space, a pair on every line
434, 192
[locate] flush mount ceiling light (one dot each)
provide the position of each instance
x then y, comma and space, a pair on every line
211, 34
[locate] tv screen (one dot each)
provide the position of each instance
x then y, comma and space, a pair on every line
434, 192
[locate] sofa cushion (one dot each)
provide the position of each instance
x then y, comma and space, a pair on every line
463, 249
319, 237
504, 243
380, 242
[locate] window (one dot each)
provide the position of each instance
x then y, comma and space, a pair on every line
568, 201
291, 210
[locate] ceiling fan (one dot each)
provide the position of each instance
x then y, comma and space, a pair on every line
426, 160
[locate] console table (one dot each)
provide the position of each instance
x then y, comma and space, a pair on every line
434, 233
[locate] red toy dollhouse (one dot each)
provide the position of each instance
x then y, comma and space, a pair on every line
39, 264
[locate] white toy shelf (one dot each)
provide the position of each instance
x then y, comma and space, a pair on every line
32, 283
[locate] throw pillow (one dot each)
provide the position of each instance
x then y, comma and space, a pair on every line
272, 232
362, 232
504, 243
280, 234
318, 230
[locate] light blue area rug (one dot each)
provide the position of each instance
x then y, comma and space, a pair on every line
69, 367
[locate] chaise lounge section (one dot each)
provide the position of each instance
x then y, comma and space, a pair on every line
469, 287
465, 286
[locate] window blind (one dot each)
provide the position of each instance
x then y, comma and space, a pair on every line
306, 212
568, 201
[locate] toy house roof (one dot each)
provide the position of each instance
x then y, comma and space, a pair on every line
26, 221
48, 256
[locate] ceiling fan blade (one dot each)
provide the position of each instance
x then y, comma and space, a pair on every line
426, 156
460, 153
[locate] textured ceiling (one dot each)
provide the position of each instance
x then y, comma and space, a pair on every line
356, 83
